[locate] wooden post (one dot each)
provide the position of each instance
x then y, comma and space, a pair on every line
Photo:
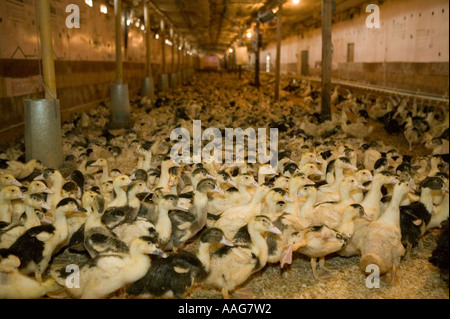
278, 59
257, 40
48, 63
118, 33
148, 37
326, 59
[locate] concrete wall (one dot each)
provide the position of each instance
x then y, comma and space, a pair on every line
412, 34
84, 59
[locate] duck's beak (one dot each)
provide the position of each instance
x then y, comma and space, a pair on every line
80, 210
232, 183
445, 189
47, 190
133, 176
254, 184
361, 187
211, 177
288, 199
159, 252
182, 207
352, 167
39, 178
46, 206
226, 242
21, 196
274, 230
46, 220
318, 172
309, 182
218, 190
15, 182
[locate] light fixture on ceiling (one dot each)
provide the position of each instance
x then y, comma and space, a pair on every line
157, 36
142, 27
230, 50
267, 16
89, 3
249, 34
103, 9
295, 1
128, 22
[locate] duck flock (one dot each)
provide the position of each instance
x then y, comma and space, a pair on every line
134, 220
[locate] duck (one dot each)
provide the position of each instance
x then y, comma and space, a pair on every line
330, 213
234, 218
57, 181
9, 234
95, 236
381, 244
371, 201
37, 245
107, 273
20, 170
440, 212
104, 165
415, 217
8, 180
174, 276
35, 187
364, 176
184, 229
15, 285
145, 151
121, 198
166, 165
232, 265
296, 182
316, 241
7, 195
329, 192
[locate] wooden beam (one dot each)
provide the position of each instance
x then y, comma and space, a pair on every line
326, 58
278, 59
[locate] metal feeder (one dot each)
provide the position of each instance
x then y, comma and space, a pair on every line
120, 107
163, 82
148, 88
43, 132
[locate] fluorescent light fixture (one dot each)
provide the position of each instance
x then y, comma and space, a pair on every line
230, 50
142, 27
137, 24
157, 36
88, 2
128, 22
295, 1
249, 34
103, 9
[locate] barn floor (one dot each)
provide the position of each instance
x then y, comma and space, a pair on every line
416, 279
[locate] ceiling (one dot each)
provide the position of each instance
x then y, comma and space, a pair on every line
211, 26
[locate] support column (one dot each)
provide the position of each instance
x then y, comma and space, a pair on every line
173, 75
120, 104
42, 117
326, 59
148, 84
163, 77
278, 59
257, 36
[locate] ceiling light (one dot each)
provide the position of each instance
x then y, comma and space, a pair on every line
128, 22
230, 50
137, 24
249, 34
142, 27
295, 1
88, 2
157, 36
103, 9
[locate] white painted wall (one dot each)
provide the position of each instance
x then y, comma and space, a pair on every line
410, 31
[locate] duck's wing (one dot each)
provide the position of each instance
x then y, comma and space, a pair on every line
99, 241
